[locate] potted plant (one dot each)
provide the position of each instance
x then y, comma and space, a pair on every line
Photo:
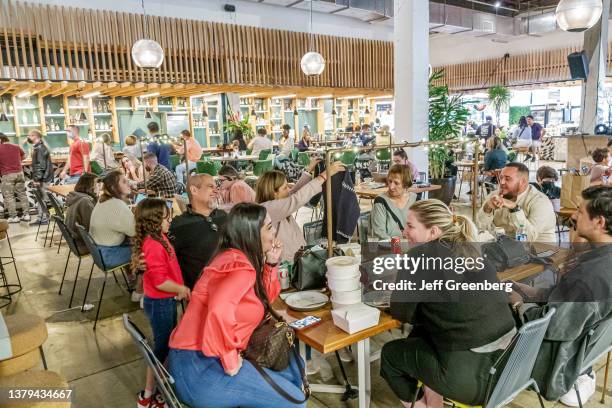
447, 115
235, 124
499, 96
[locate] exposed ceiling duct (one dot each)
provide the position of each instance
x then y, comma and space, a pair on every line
468, 18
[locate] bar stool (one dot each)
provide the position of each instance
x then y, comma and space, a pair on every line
11, 289
27, 334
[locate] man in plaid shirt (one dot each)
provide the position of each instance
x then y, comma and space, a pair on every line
159, 179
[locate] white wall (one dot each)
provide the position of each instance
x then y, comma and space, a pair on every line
247, 13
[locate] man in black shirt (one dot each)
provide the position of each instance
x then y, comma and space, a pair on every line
42, 169
486, 130
195, 233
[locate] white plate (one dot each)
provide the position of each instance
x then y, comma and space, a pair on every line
306, 301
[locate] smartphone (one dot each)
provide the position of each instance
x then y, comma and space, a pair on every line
305, 322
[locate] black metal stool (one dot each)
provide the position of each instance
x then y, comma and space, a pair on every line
10, 288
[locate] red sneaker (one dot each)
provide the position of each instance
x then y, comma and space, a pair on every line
154, 401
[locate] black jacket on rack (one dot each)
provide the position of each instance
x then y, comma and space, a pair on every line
42, 166
345, 207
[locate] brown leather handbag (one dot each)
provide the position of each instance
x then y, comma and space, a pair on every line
271, 345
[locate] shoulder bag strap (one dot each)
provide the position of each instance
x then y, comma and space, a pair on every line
278, 389
522, 130
380, 200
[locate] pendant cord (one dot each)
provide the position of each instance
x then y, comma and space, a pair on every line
311, 30
144, 14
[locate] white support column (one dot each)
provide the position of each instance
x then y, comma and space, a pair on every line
411, 74
593, 87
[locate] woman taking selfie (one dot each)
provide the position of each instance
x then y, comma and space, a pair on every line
281, 201
390, 209
227, 304
453, 343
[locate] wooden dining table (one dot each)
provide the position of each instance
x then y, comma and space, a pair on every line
365, 190
326, 337
62, 190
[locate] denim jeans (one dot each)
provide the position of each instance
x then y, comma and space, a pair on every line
72, 179
116, 255
201, 382
162, 318
180, 171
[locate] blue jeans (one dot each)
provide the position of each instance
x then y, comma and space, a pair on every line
180, 171
72, 179
162, 318
116, 255
200, 382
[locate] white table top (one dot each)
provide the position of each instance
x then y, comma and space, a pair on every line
232, 158
5, 341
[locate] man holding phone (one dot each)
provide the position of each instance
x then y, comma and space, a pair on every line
159, 179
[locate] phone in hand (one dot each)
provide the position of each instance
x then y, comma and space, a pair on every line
307, 321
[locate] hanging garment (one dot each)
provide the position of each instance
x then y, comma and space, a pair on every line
345, 207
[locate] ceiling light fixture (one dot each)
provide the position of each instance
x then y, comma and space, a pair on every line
578, 15
23, 94
295, 112
147, 53
249, 95
312, 62
286, 96
497, 4
91, 94
334, 113
149, 95
204, 95
253, 113
367, 110
83, 117
382, 97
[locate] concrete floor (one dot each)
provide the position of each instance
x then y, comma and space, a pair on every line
103, 367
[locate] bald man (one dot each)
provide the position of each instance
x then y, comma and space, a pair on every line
518, 203
195, 233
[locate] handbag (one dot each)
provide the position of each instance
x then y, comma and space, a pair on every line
506, 253
271, 345
309, 268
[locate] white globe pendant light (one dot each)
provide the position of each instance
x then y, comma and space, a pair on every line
312, 62
578, 15
147, 53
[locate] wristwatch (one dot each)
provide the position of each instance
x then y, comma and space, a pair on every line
515, 209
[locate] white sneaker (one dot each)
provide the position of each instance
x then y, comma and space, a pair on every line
586, 386
14, 220
312, 368
345, 355
26, 217
136, 297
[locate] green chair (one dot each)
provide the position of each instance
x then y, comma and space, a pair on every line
348, 158
263, 155
175, 160
294, 155
249, 151
96, 168
207, 167
303, 159
205, 156
262, 166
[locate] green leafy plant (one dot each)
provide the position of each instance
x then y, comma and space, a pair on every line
499, 97
447, 115
235, 124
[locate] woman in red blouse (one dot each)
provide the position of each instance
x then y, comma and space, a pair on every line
227, 304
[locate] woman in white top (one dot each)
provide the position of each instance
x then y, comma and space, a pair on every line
112, 221
260, 142
103, 153
522, 134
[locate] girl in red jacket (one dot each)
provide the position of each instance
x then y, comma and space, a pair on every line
163, 282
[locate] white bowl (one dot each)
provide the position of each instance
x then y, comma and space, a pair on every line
338, 305
344, 285
342, 266
348, 297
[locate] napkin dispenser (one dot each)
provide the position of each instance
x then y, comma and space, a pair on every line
355, 318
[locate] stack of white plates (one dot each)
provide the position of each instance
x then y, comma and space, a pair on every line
343, 280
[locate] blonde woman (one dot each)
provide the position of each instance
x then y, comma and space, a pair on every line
281, 201
452, 346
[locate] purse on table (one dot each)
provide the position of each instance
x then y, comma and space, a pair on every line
309, 268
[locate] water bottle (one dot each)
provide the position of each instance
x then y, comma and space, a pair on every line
521, 234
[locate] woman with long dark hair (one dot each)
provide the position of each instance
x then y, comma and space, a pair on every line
227, 304
80, 204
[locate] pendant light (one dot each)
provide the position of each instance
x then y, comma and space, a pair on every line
334, 113
367, 110
295, 112
147, 114
147, 53
312, 62
82, 117
253, 113
578, 15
